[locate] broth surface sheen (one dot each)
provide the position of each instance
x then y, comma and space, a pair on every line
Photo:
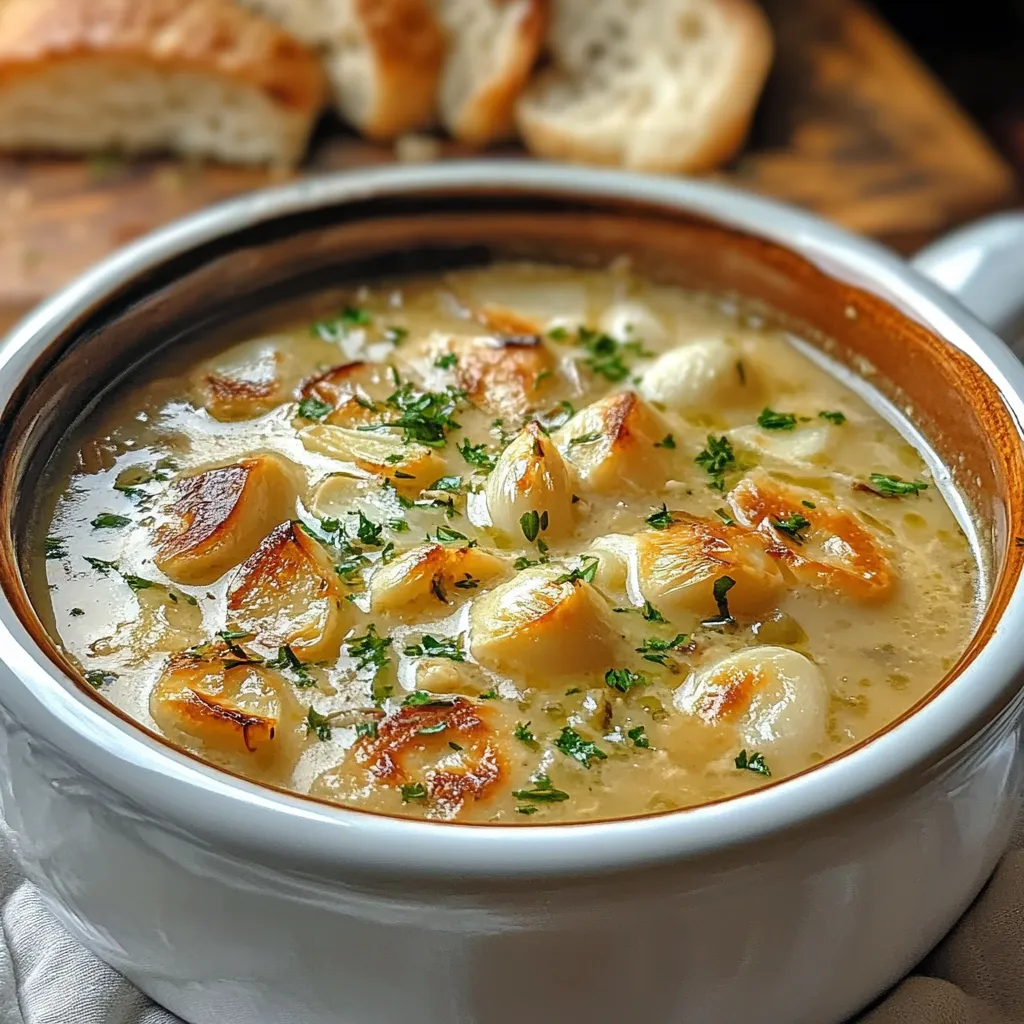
522, 544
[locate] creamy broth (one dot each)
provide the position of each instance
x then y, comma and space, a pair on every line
519, 545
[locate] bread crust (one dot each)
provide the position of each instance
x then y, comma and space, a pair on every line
488, 113
211, 36
407, 46
720, 138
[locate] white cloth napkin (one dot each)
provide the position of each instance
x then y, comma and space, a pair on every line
45, 976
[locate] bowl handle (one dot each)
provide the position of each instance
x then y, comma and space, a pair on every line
982, 264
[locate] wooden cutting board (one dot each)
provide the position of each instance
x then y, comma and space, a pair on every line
851, 125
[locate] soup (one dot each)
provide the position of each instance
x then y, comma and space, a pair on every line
523, 544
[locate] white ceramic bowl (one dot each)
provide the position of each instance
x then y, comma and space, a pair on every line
231, 902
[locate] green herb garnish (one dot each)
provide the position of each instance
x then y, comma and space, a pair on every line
657, 650
476, 455
447, 361
56, 548
529, 522
524, 734
98, 677
720, 590
771, 420
651, 614
792, 526
715, 459
585, 571
413, 791
639, 738
287, 660
573, 745
431, 647
594, 435
893, 486
837, 418
623, 680
668, 441
313, 409
109, 521
661, 519
754, 763
370, 649
543, 792
315, 722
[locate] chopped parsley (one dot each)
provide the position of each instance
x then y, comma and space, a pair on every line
476, 455
109, 521
741, 372
584, 572
573, 745
56, 548
524, 734
445, 534
286, 660
431, 647
639, 737
77, 612
396, 335
422, 699
623, 680
543, 792
772, 420
367, 531
491, 694
725, 517
808, 504
338, 327
559, 416
424, 416
754, 763
657, 650
452, 484
98, 677
605, 354
716, 459
661, 519
313, 409
370, 649
137, 583
594, 435
837, 418
792, 526
468, 582
668, 441
530, 524
315, 722
721, 590
432, 730
651, 614
99, 564
368, 730
413, 791
447, 361
894, 486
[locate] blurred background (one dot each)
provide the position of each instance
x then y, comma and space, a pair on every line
900, 119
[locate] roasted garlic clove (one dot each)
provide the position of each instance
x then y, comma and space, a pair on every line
611, 443
775, 699
380, 452
531, 476
699, 377
676, 568
217, 518
340, 388
243, 714
505, 375
822, 545
245, 381
538, 628
430, 578
287, 593
447, 752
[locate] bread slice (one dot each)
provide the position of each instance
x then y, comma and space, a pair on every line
383, 57
492, 47
197, 77
653, 85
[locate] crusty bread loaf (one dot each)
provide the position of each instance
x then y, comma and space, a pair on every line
196, 77
654, 85
383, 57
492, 47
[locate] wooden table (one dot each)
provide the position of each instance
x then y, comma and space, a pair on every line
851, 126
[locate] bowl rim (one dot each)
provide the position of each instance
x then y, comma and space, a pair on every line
175, 788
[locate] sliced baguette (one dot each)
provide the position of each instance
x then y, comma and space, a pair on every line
383, 57
492, 47
653, 85
196, 77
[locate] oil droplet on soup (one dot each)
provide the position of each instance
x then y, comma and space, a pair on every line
517, 545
